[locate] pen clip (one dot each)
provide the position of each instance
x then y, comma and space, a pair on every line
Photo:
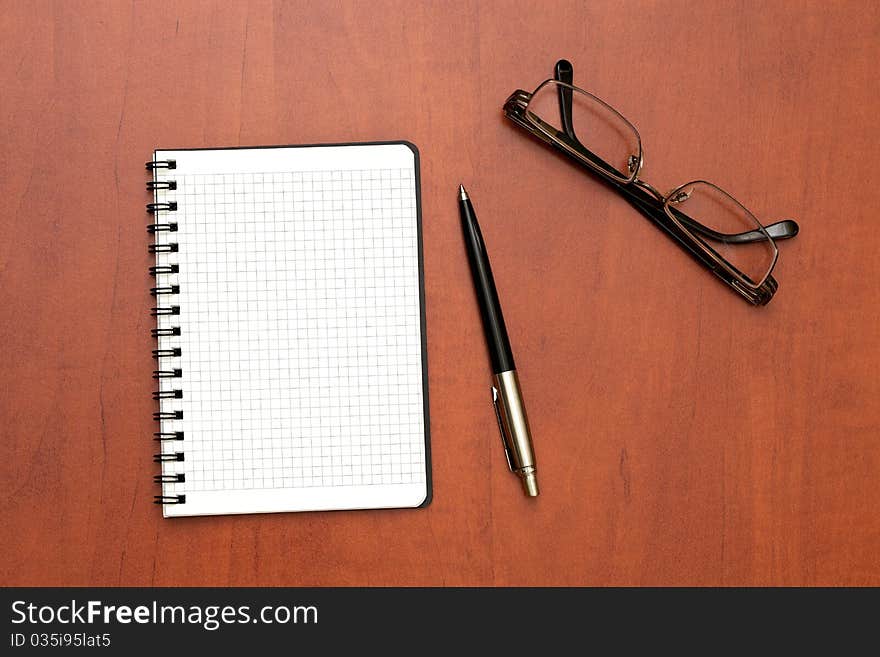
501, 428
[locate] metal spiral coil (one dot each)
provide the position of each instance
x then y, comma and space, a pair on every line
165, 332
167, 394
166, 310
167, 456
171, 247
167, 374
153, 185
162, 228
164, 288
167, 415
164, 269
162, 436
153, 208
174, 352
168, 289
169, 499
169, 479
161, 164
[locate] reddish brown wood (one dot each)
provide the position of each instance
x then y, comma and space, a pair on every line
682, 436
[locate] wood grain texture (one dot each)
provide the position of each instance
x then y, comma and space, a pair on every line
682, 436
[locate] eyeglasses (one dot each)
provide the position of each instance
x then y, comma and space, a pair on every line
707, 222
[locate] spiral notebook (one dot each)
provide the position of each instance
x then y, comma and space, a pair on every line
290, 327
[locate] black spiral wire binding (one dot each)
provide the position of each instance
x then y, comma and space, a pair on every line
160, 228
168, 415
162, 436
168, 289
167, 374
169, 353
165, 332
167, 456
164, 269
168, 394
161, 184
169, 499
169, 310
154, 208
172, 247
173, 478
161, 164
162, 354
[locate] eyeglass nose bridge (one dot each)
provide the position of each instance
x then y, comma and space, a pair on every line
635, 164
648, 187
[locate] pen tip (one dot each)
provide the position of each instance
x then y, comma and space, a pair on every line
530, 484
462, 194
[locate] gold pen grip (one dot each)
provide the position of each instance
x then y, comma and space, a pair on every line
514, 425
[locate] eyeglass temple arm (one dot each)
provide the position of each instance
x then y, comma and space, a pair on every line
564, 72
780, 230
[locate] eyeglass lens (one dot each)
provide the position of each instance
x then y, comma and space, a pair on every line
597, 126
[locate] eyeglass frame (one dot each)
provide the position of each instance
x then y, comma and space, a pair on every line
645, 198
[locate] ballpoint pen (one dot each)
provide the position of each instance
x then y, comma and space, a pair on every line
506, 395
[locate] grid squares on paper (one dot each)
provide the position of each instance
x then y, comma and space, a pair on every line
300, 330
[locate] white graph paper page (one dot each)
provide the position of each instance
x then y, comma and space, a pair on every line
302, 374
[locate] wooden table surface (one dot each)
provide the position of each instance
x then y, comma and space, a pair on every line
683, 437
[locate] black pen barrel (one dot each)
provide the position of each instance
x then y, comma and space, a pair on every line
487, 296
